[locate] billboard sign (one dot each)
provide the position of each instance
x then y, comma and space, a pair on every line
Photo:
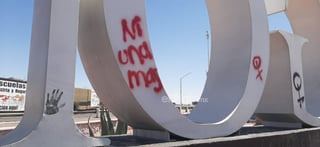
12, 94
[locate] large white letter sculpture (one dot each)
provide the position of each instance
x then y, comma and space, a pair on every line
116, 53
117, 56
295, 66
48, 114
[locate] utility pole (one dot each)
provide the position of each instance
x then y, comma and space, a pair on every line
181, 78
208, 47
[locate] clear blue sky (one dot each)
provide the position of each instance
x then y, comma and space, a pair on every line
177, 30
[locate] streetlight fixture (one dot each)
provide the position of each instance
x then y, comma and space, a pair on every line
181, 78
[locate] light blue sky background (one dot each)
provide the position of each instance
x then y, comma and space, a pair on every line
177, 30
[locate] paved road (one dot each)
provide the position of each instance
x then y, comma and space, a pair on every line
12, 117
11, 120
5, 118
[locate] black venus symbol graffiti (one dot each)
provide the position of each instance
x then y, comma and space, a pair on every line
297, 83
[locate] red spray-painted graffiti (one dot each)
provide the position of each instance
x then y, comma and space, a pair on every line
135, 27
257, 62
150, 77
142, 54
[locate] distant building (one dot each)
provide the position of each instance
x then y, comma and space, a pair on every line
185, 109
85, 99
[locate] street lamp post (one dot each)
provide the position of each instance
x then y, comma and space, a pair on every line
208, 46
181, 78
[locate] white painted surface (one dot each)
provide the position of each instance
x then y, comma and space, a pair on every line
305, 21
241, 33
280, 96
48, 115
301, 57
276, 6
235, 83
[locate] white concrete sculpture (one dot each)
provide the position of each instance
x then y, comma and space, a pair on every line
297, 102
116, 53
276, 6
48, 113
117, 57
284, 92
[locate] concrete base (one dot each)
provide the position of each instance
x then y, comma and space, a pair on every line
280, 120
250, 136
159, 135
283, 124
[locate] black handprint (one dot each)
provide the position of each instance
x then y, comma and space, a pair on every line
52, 103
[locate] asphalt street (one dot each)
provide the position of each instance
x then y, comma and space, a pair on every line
16, 117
